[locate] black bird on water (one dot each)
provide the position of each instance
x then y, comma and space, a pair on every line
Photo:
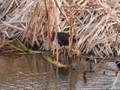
63, 38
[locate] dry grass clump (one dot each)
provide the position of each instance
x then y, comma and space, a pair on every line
13, 17
95, 23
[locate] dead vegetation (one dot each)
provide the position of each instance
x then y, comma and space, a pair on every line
95, 24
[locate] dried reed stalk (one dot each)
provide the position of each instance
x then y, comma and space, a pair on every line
94, 23
48, 11
115, 81
71, 33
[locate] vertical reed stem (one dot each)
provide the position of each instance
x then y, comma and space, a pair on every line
71, 33
48, 23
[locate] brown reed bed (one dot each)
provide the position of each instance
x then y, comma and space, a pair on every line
95, 24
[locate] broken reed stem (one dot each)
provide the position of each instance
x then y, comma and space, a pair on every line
115, 81
12, 26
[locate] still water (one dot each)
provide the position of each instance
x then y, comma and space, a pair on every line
31, 72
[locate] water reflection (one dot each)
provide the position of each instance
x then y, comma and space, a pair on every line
31, 72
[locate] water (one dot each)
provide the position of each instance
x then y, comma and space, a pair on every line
31, 72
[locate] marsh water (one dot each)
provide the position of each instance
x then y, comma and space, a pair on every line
31, 72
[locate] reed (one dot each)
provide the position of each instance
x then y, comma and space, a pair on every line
48, 15
94, 21
115, 81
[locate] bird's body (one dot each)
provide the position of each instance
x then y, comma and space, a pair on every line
63, 38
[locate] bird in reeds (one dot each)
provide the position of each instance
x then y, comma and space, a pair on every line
62, 37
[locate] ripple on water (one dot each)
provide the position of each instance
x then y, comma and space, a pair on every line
31, 73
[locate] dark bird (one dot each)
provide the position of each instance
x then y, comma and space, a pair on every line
63, 38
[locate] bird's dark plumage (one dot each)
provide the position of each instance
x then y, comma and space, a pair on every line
63, 38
